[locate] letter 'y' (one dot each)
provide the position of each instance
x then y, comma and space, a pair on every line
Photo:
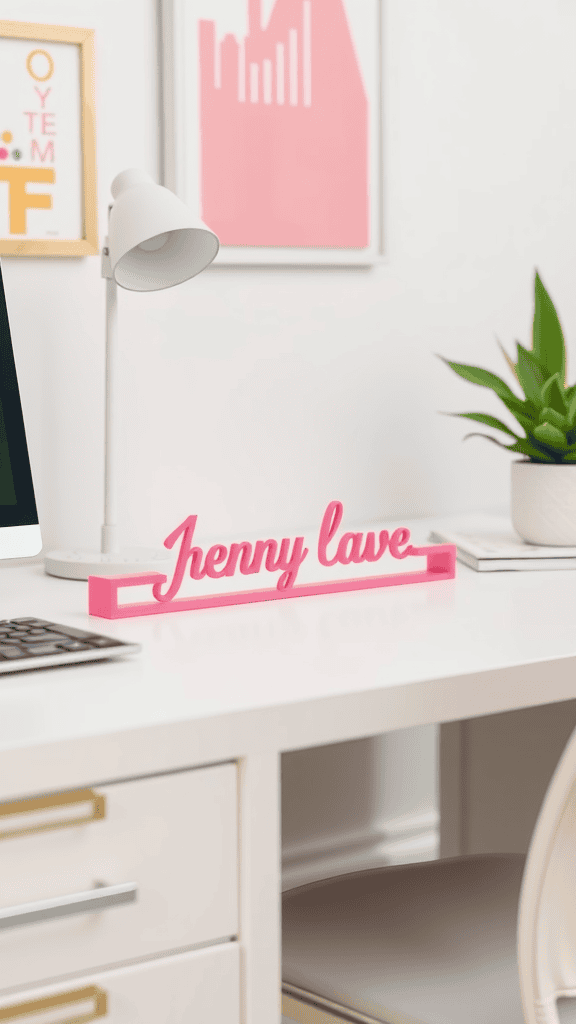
291, 565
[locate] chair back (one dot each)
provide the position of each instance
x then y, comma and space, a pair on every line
547, 908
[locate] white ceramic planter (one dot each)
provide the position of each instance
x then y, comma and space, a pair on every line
543, 503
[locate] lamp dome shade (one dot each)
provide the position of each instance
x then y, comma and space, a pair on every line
154, 240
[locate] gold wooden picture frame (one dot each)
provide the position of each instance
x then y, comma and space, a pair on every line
48, 199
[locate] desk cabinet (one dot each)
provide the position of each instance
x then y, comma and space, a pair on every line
161, 856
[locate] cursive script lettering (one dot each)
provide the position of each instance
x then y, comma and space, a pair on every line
286, 557
250, 561
350, 544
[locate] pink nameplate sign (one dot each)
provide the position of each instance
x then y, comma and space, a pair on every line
286, 557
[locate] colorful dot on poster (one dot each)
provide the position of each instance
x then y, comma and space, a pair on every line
16, 154
3, 153
6, 136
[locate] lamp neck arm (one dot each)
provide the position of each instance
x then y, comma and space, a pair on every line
106, 267
109, 540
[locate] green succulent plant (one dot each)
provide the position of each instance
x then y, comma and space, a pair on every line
546, 412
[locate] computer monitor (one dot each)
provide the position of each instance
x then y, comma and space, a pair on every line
19, 529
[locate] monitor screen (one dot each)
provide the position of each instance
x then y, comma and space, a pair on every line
19, 530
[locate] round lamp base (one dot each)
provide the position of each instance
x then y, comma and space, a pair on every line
79, 565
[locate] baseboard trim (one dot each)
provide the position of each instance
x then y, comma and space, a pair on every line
404, 840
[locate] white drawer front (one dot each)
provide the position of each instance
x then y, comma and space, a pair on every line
173, 837
193, 988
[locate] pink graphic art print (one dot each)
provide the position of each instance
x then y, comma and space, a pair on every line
274, 133
284, 130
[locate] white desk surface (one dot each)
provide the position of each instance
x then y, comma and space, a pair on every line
212, 685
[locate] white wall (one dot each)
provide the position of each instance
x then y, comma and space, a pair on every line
495, 771
253, 397
352, 806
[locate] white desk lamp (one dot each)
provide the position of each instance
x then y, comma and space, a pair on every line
154, 241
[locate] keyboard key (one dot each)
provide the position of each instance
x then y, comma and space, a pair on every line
39, 649
77, 634
45, 635
30, 622
73, 645
103, 641
17, 636
12, 652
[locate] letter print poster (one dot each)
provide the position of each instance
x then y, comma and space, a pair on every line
42, 159
273, 125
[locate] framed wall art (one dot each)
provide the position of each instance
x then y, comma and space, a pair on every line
273, 126
48, 201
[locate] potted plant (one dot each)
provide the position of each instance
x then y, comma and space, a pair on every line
544, 480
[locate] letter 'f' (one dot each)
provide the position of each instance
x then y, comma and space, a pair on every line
21, 200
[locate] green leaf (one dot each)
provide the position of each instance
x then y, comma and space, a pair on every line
551, 436
551, 416
488, 421
572, 409
521, 446
524, 447
476, 375
569, 393
531, 374
511, 365
547, 338
552, 394
525, 412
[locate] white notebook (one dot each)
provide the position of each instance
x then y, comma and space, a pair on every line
489, 543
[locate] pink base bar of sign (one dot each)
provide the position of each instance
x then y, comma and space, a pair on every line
103, 590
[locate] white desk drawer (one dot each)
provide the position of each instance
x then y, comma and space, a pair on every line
172, 837
193, 988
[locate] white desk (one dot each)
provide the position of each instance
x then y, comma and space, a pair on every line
245, 684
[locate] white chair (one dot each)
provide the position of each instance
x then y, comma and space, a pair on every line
473, 940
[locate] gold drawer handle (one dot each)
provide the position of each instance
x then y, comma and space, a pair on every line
17, 1011
44, 803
